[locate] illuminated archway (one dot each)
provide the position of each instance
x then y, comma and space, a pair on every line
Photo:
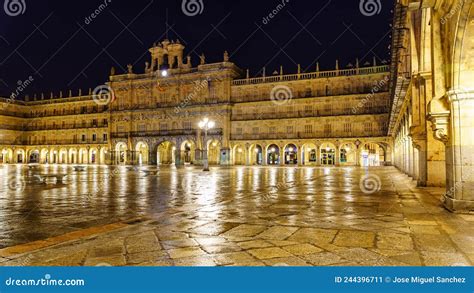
291, 154
328, 154
121, 153
188, 152
348, 154
214, 152
239, 155
256, 154
309, 154
166, 153
73, 156
372, 155
6, 156
142, 153
93, 156
273, 155
63, 156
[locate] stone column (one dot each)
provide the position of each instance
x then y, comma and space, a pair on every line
421, 146
152, 158
282, 155
264, 155
460, 152
338, 156
177, 157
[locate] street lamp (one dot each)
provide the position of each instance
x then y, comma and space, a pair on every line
205, 125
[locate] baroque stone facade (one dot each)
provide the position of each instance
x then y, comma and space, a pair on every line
336, 117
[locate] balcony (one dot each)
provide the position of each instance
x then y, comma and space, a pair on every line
174, 132
309, 114
304, 135
313, 75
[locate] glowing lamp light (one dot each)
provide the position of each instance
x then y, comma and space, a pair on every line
164, 73
240, 150
257, 151
272, 150
290, 149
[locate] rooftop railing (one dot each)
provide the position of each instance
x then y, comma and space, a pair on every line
313, 75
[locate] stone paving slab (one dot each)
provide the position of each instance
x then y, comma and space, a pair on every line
399, 226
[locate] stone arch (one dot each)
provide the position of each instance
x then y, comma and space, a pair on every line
83, 156
327, 154
188, 151
63, 159
73, 156
34, 156
372, 154
94, 155
6, 156
165, 152
20, 156
273, 154
142, 150
121, 153
348, 154
44, 156
213, 151
103, 155
290, 154
309, 154
256, 154
239, 154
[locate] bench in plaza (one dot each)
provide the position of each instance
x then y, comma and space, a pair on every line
150, 172
79, 168
59, 178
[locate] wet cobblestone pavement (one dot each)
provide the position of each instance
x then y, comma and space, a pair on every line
245, 216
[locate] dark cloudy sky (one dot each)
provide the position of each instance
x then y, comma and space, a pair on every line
54, 43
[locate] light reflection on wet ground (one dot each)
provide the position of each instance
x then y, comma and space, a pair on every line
229, 216
99, 195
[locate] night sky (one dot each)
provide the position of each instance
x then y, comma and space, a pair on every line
55, 44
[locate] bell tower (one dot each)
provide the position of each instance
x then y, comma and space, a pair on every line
167, 53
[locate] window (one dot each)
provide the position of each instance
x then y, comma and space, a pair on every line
105, 122
327, 129
308, 129
347, 127
84, 124
94, 137
104, 137
141, 128
94, 123
308, 109
83, 138
368, 127
187, 125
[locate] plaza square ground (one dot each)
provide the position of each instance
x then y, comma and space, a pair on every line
244, 216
